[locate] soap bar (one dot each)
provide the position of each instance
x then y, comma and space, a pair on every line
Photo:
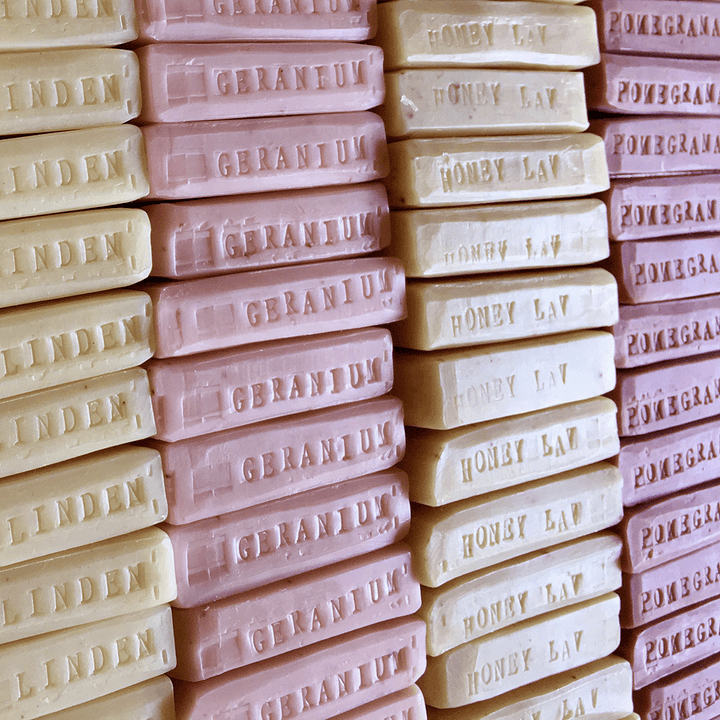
184, 82
451, 465
49, 426
463, 171
530, 651
408, 703
482, 33
214, 236
123, 575
54, 343
457, 101
243, 550
225, 157
474, 534
477, 311
278, 618
243, 308
223, 390
460, 241
68, 89
320, 681
72, 254
235, 469
511, 592
447, 389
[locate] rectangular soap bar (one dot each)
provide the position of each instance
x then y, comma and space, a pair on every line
458, 101
408, 703
235, 469
223, 390
319, 605
490, 600
477, 311
478, 533
482, 33
225, 157
223, 235
194, 316
463, 171
460, 241
451, 388
530, 651
240, 551
451, 465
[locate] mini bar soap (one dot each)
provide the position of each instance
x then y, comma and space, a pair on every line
225, 157
460, 241
463, 171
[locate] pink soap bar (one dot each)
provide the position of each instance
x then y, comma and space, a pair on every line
276, 619
215, 236
194, 316
222, 390
227, 471
225, 157
243, 550
407, 704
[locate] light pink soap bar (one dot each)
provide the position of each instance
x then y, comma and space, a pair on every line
235, 469
243, 550
215, 236
228, 389
407, 704
316, 682
225, 157
281, 617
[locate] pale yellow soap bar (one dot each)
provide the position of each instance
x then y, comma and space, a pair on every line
464, 171
458, 313
457, 101
415, 33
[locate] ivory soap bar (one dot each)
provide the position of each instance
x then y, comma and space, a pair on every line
463, 171
461, 387
445, 466
214, 236
530, 651
457, 313
482, 33
460, 241
511, 592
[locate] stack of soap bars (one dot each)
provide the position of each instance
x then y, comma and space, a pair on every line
664, 221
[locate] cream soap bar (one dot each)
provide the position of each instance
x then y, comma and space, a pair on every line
460, 241
448, 389
463, 171
458, 313
225, 157
503, 661
223, 235
483, 33
276, 619
445, 466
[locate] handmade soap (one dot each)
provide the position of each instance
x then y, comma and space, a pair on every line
320, 681
235, 469
225, 157
447, 389
408, 703
477, 311
222, 235
463, 171
251, 627
518, 590
72, 254
508, 659
194, 316
459, 241
445, 466
222, 390
474, 534
243, 550
487, 34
